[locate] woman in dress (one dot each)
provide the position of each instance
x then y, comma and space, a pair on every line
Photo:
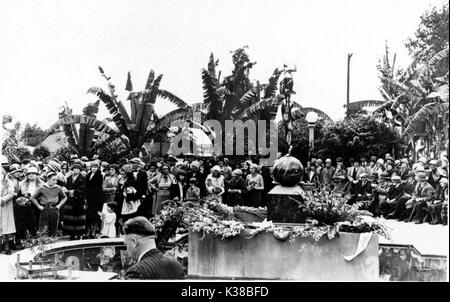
339, 179
255, 186
162, 184
110, 185
94, 189
74, 222
178, 189
7, 225
27, 215
236, 188
215, 185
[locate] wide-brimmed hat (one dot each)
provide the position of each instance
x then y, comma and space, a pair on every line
363, 175
380, 161
384, 175
171, 158
84, 158
215, 168
328, 160
443, 180
237, 172
54, 166
32, 170
433, 162
195, 164
76, 165
405, 160
15, 168
396, 178
421, 175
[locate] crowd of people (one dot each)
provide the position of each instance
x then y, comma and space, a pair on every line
87, 198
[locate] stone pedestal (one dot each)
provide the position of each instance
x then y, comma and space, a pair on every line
283, 206
265, 257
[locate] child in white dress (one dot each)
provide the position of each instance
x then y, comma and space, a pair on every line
109, 221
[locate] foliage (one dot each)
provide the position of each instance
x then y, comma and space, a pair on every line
23, 153
32, 135
63, 154
327, 215
41, 152
431, 36
38, 244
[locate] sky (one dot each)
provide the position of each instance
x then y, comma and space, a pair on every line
50, 50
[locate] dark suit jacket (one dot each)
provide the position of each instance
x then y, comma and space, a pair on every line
155, 265
396, 192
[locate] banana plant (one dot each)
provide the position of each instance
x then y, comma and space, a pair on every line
135, 127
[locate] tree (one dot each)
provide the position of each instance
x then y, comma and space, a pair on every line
350, 138
431, 37
134, 128
32, 135
41, 152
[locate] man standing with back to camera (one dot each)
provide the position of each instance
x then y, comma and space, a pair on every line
151, 263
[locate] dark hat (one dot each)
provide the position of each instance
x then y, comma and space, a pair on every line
76, 165
374, 175
192, 180
339, 159
171, 158
422, 175
373, 158
15, 168
50, 174
139, 226
411, 174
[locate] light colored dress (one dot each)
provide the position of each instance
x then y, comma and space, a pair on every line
214, 182
163, 184
7, 224
108, 224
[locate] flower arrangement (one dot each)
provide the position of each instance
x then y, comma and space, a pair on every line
328, 214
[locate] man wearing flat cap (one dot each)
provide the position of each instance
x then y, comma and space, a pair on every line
151, 263
409, 186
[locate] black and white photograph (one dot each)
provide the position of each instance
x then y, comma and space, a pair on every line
229, 142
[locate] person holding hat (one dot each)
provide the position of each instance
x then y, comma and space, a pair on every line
74, 221
139, 239
435, 206
423, 193
25, 213
49, 199
214, 183
7, 224
394, 194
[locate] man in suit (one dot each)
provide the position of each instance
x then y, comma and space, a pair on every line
354, 172
361, 191
393, 196
150, 262
409, 186
423, 193
404, 169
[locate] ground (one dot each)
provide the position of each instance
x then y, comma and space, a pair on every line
427, 239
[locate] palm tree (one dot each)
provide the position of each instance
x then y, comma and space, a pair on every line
417, 102
134, 128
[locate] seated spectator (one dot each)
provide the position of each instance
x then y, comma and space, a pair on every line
423, 193
435, 206
434, 176
362, 190
380, 193
404, 169
393, 196
409, 186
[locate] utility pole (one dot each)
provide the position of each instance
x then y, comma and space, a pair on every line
348, 80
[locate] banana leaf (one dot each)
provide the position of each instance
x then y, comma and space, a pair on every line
172, 98
272, 87
270, 105
112, 108
427, 113
165, 122
438, 59
211, 98
365, 103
